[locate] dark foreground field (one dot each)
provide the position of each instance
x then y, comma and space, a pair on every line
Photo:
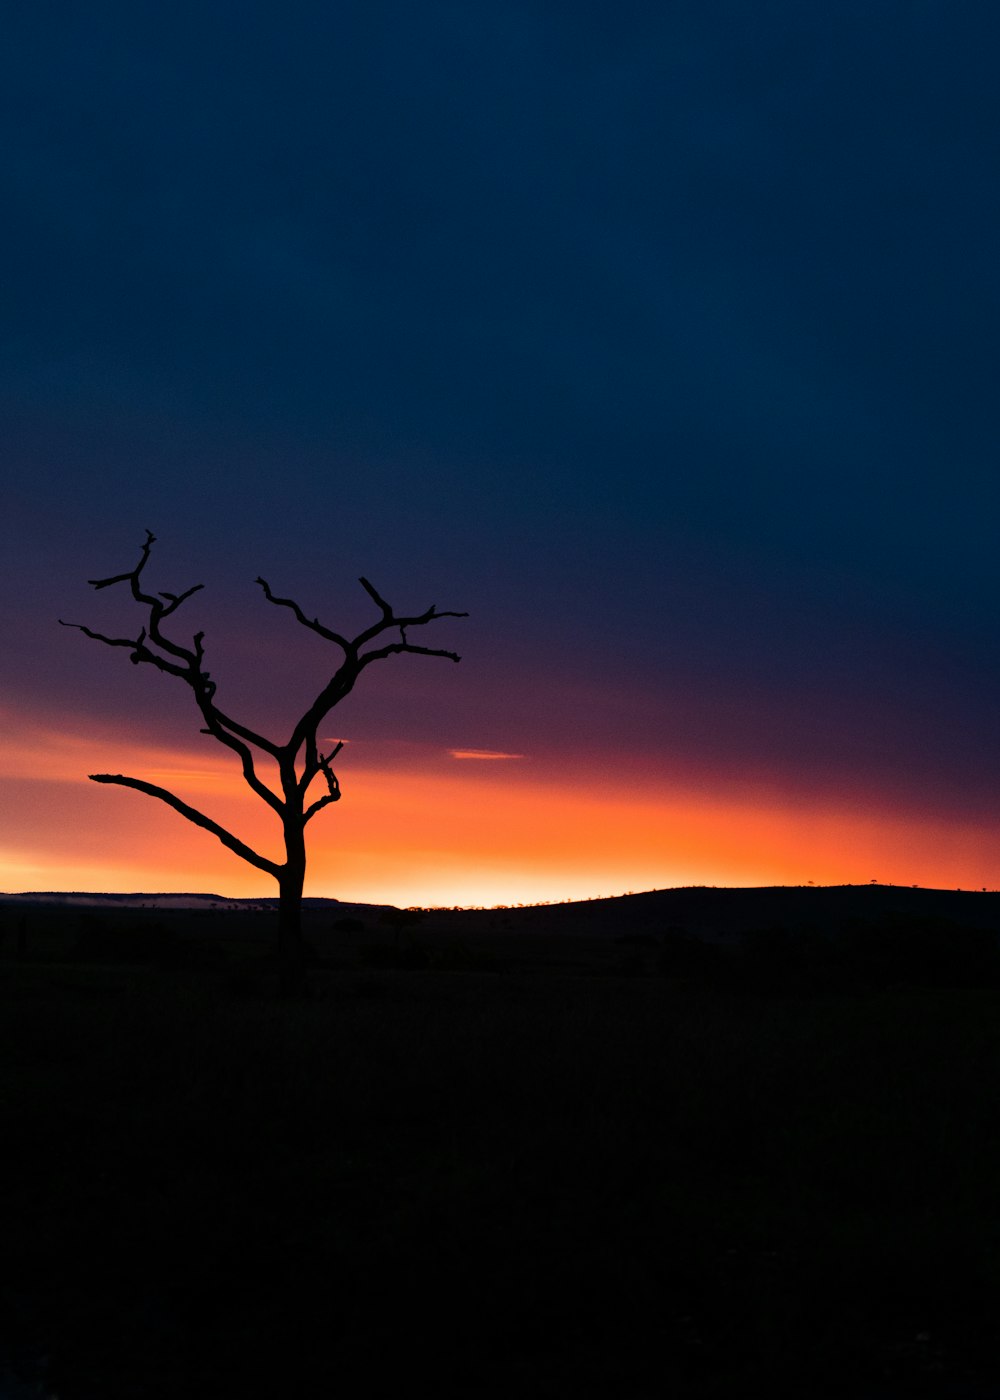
505, 1156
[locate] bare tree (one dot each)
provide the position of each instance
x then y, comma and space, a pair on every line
299, 760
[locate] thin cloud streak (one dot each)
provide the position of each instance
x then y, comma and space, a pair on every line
488, 754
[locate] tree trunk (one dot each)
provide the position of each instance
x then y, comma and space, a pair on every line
291, 956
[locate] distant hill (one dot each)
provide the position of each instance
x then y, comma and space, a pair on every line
795, 939
705, 911
163, 901
710, 911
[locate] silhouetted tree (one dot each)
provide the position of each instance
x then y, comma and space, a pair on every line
299, 760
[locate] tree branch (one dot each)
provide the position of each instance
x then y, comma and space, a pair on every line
323, 766
343, 680
233, 843
157, 610
220, 725
246, 759
389, 618
318, 806
394, 648
133, 576
100, 637
314, 624
174, 600
137, 646
243, 731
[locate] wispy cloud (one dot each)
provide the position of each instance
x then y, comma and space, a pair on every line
482, 753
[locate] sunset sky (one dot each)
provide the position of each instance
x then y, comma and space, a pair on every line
660, 337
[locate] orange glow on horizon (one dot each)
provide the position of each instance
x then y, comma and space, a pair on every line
474, 834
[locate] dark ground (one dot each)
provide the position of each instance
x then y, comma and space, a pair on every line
692, 1144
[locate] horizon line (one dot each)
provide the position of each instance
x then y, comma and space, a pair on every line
259, 899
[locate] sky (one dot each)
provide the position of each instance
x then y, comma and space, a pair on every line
662, 338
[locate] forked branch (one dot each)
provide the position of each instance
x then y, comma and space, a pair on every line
323, 762
341, 683
390, 620
352, 646
184, 662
